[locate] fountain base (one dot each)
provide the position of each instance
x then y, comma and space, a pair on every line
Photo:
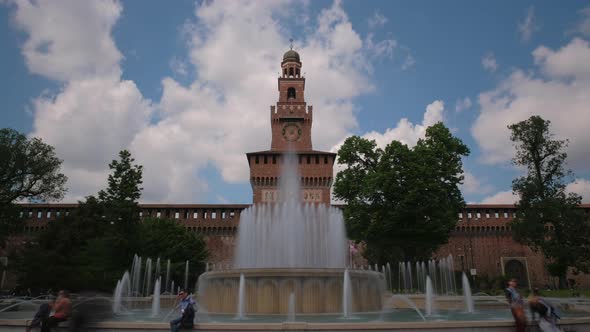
267, 290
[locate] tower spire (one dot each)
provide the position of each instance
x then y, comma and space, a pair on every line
291, 40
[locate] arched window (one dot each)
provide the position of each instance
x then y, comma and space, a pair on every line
291, 73
291, 93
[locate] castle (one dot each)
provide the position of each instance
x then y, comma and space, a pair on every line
481, 243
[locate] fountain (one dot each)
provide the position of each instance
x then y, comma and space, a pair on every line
290, 248
346, 295
429, 299
241, 297
469, 306
156, 299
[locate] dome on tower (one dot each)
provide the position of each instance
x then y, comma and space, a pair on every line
291, 55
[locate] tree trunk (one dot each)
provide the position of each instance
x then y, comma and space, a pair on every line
563, 281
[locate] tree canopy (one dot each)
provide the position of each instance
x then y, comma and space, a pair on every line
29, 169
90, 248
548, 218
401, 201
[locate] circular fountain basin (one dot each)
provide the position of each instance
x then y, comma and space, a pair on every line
267, 290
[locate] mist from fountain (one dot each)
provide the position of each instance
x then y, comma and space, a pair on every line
291, 308
168, 277
469, 305
429, 299
290, 234
156, 298
241, 310
186, 275
122, 291
346, 295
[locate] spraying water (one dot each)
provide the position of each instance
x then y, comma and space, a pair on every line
469, 305
346, 295
186, 275
168, 277
122, 291
241, 298
291, 309
429, 299
289, 233
156, 299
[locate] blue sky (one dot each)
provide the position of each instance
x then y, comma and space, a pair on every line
186, 85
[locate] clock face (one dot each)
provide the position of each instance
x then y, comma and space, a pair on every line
291, 132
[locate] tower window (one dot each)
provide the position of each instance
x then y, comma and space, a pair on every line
291, 72
274, 159
256, 159
317, 159
291, 93
325, 159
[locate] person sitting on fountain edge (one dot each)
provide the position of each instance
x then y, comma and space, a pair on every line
187, 311
62, 309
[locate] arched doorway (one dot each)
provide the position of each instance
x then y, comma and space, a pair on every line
514, 268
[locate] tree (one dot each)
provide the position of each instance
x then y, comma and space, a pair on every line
29, 169
548, 218
402, 202
95, 244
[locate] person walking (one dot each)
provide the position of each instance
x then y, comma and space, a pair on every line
548, 315
187, 313
516, 305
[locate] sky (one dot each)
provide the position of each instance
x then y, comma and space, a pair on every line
186, 86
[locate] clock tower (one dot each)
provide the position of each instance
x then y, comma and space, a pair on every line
290, 121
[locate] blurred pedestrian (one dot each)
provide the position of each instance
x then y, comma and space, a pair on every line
516, 305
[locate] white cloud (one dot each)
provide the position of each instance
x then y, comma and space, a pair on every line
473, 185
382, 48
407, 132
583, 25
69, 39
179, 66
557, 90
409, 62
377, 20
489, 62
94, 114
236, 49
528, 25
462, 104
501, 197
224, 112
580, 187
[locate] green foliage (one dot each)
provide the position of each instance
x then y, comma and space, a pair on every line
166, 238
29, 170
94, 245
548, 218
402, 202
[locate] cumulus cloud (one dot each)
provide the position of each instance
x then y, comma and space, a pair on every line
95, 113
489, 62
224, 112
462, 104
528, 26
474, 185
501, 197
377, 20
557, 90
407, 132
69, 39
235, 49
580, 187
